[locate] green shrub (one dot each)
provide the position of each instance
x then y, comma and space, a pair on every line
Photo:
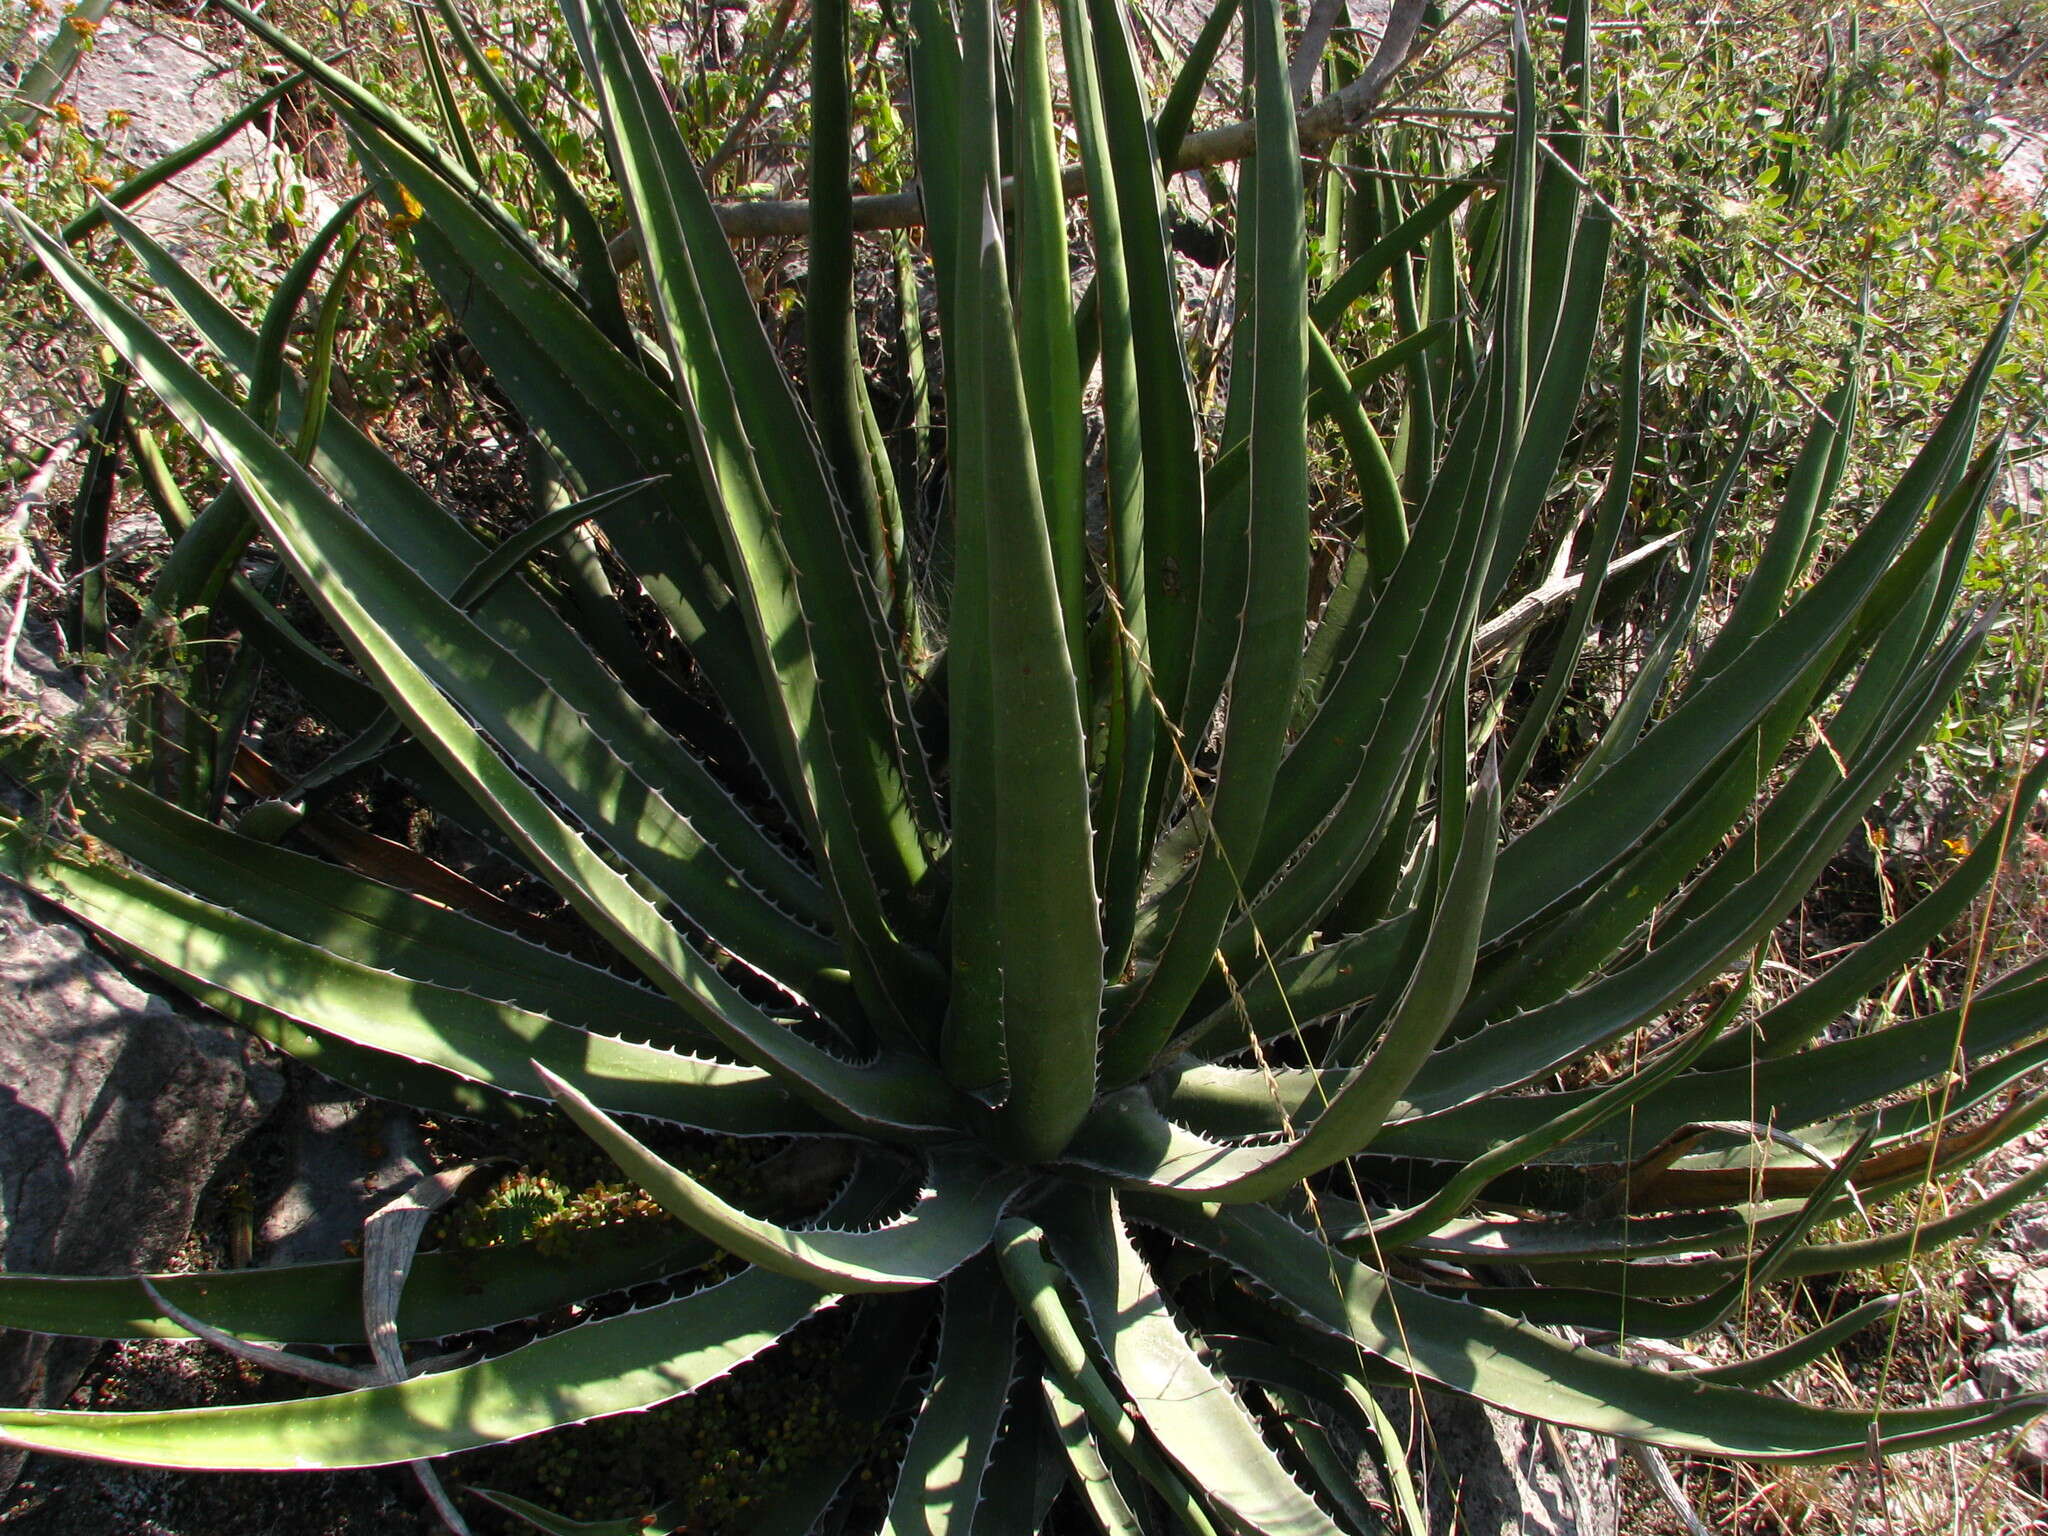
1222, 1020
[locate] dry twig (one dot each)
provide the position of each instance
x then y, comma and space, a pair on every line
18, 568
1337, 114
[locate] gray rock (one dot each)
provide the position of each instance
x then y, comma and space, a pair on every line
2026, 1231
2030, 1298
2003, 1265
2031, 1448
2020, 1366
49, 701
1486, 1473
348, 1155
170, 90
2022, 152
116, 1111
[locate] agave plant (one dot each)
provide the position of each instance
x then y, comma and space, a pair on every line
1208, 1040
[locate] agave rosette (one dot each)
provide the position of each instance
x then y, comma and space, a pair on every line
1149, 923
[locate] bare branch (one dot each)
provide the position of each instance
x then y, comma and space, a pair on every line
1308, 49
1498, 634
18, 566
1337, 114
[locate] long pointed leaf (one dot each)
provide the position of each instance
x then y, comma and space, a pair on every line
1031, 812
1274, 601
1527, 1371
313, 533
614, 1366
445, 1027
450, 1291
950, 1223
1195, 1415
939, 1487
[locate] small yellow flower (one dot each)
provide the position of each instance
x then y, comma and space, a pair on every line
408, 215
495, 55
83, 27
67, 113
117, 117
98, 183
1959, 846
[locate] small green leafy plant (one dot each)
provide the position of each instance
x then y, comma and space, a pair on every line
1215, 980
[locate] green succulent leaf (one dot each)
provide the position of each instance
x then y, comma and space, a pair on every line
612, 1366
445, 1027
432, 544
371, 923
777, 512
1092, 1476
662, 1522
300, 517
1195, 1415
449, 1291
1524, 1370
951, 1221
1023, 835
1078, 1385
1266, 650
939, 1489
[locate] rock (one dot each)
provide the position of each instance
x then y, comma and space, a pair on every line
1487, 1473
2030, 1300
348, 1156
2030, 1450
98, 1079
2027, 1230
168, 89
48, 701
116, 1111
2022, 153
2021, 1366
2002, 1265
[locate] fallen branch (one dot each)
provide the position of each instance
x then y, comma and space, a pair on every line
1496, 635
1337, 114
18, 568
